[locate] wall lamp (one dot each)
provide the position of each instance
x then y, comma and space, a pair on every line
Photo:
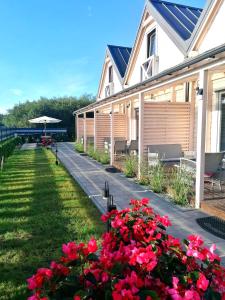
199, 91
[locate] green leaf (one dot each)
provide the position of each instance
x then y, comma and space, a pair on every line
90, 277
211, 295
194, 275
143, 294
92, 257
108, 295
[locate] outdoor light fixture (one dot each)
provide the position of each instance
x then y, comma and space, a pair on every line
97, 111
128, 105
110, 112
199, 91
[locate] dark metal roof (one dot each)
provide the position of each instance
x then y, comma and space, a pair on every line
210, 54
121, 56
181, 18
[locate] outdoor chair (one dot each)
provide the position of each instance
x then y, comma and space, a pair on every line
214, 173
120, 147
167, 153
133, 146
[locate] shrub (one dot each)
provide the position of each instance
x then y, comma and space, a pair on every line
181, 187
144, 173
157, 177
138, 260
90, 151
7, 147
79, 147
104, 158
131, 166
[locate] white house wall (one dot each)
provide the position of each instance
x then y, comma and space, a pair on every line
216, 33
168, 53
105, 82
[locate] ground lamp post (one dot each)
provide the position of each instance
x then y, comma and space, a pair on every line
110, 204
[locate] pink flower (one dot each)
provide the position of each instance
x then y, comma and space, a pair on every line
202, 282
70, 250
77, 298
92, 246
191, 295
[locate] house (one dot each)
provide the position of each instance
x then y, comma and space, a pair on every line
169, 89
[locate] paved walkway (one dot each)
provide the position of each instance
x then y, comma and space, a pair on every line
29, 146
92, 176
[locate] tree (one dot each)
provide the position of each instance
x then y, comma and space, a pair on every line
61, 108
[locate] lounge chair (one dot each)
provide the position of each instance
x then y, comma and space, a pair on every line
120, 147
133, 146
214, 172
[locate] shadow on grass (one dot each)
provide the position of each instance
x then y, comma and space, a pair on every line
35, 223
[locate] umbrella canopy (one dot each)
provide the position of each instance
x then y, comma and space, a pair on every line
44, 120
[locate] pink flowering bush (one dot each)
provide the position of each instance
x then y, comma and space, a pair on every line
138, 260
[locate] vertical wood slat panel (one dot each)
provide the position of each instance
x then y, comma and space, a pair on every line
103, 129
167, 123
90, 127
120, 126
80, 128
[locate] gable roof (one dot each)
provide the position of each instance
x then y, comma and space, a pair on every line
120, 56
181, 18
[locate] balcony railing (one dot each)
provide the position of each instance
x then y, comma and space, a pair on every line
149, 68
109, 89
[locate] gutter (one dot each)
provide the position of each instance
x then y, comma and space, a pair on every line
189, 62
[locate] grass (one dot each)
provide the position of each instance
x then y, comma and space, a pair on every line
41, 208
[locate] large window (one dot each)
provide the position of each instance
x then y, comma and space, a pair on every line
110, 74
151, 43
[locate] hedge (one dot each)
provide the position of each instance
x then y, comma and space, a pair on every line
7, 147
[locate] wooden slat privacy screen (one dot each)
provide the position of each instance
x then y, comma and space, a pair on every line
167, 123
103, 129
80, 128
120, 126
90, 127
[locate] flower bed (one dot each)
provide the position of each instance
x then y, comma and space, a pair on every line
138, 260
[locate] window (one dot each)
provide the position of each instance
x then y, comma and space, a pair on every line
110, 74
151, 43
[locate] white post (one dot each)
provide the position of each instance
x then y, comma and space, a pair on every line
141, 133
201, 132
95, 130
85, 134
112, 137
77, 128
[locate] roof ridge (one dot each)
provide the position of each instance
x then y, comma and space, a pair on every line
178, 4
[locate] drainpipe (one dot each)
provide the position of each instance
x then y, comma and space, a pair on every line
202, 95
95, 130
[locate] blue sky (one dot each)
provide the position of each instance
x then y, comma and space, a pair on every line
57, 47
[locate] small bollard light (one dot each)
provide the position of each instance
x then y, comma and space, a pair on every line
110, 207
106, 190
56, 154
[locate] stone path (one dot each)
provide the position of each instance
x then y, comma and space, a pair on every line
91, 176
29, 146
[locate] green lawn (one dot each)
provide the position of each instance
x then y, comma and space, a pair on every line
40, 208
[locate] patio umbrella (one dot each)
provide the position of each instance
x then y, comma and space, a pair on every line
44, 120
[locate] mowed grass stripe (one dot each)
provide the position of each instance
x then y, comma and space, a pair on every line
41, 207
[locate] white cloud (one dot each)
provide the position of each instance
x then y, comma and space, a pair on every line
2, 110
16, 92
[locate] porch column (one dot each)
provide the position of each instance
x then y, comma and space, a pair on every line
77, 127
112, 136
95, 130
141, 133
201, 132
85, 133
